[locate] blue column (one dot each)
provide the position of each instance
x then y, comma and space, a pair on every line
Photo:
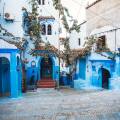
117, 66
56, 73
14, 76
39, 77
20, 80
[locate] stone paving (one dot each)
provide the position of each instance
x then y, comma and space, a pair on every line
65, 104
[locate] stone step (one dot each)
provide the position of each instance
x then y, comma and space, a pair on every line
78, 84
46, 86
46, 83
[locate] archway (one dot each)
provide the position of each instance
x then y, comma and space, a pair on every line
4, 77
46, 71
105, 78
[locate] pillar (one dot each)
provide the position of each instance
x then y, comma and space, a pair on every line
56, 73
14, 76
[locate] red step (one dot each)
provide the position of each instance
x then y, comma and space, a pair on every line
46, 83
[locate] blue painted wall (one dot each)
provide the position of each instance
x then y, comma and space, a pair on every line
36, 71
96, 76
118, 66
0, 82
6, 79
56, 73
82, 69
19, 72
32, 71
12, 80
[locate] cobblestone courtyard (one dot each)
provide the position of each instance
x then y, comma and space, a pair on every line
66, 104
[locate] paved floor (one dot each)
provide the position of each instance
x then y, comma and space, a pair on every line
66, 104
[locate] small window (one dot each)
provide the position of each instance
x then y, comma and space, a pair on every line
79, 41
49, 30
101, 43
43, 29
41, 2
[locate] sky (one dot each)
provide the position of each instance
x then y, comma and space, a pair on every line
76, 8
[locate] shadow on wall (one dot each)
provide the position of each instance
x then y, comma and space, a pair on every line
4, 77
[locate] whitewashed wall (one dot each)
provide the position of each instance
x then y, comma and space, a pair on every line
74, 38
48, 10
6, 45
83, 34
104, 16
14, 8
112, 36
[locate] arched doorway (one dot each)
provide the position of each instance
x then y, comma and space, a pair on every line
46, 71
105, 78
4, 77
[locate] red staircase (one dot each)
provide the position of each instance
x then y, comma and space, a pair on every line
46, 83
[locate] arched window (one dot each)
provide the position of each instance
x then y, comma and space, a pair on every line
41, 2
49, 30
43, 29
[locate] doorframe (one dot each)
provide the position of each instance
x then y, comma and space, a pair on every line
101, 77
53, 67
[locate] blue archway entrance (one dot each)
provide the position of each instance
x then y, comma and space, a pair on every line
4, 77
46, 71
105, 78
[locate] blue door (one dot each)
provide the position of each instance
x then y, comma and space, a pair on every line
46, 68
82, 69
105, 78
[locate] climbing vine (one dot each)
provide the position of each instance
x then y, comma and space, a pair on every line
35, 28
91, 41
10, 38
65, 15
35, 24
